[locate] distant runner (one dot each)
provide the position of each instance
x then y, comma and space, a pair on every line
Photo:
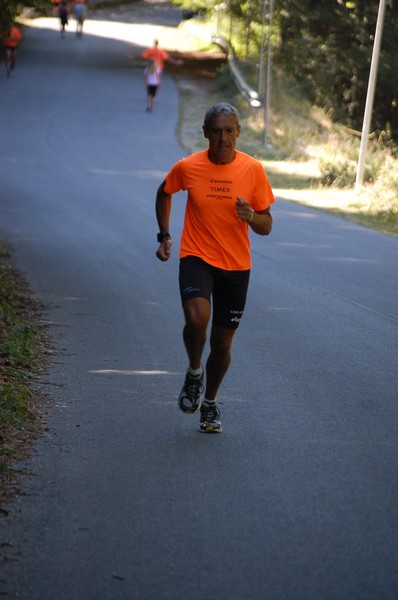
157, 54
11, 40
80, 13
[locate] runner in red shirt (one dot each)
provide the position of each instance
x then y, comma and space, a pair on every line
11, 40
157, 54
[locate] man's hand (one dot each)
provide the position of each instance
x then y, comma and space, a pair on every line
243, 210
164, 250
260, 222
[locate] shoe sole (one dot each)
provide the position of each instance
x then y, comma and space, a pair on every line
210, 429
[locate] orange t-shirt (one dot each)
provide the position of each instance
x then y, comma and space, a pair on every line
158, 55
12, 37
212, 230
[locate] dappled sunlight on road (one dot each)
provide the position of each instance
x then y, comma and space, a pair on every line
141, 34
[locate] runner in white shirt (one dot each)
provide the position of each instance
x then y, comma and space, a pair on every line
152, 83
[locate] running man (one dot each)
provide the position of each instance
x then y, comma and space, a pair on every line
11, 40
157, 54
228, 193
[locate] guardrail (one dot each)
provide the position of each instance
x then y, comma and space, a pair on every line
251, 95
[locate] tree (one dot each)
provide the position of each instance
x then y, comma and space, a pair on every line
327, 45
8, 11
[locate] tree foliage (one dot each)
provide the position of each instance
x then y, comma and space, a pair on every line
328, 44
8, 12
10, 9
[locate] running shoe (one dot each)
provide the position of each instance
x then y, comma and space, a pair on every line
210, 419
191, 394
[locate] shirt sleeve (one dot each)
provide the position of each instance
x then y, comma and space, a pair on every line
264, 196
175, 179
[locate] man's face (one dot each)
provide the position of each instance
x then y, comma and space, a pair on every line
222, 133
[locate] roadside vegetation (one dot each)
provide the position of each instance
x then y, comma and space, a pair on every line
22, 356
309, 158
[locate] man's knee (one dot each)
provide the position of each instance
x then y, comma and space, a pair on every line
221, 339
197, 313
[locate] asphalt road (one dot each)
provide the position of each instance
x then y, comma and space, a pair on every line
126, 500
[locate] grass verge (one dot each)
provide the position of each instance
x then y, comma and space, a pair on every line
22, 350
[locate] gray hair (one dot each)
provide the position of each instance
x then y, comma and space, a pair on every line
218, 109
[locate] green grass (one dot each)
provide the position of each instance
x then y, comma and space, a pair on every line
21, 352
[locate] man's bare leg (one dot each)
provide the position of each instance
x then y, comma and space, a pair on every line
197, 315
219, 359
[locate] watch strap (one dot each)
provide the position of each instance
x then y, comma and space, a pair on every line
162, 235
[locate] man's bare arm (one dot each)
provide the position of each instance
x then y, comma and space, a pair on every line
163, 209
260, 222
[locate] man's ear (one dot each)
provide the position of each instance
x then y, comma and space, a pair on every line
205, 132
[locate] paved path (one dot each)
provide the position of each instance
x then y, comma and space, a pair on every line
297, 499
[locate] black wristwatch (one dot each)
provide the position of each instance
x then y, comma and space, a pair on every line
162, 235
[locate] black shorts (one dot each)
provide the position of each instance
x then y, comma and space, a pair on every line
151, 90
228, 289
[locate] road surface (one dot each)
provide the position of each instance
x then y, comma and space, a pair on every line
126, 500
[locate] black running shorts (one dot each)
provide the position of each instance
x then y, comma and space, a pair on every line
228, 289
151, 90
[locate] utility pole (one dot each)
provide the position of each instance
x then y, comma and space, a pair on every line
370, 96
261, 63
268, 80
